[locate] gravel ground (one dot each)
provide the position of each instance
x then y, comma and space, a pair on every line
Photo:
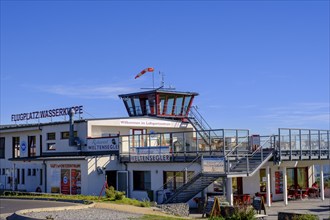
90, 213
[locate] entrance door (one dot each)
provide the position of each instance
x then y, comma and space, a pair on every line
122, 181
112, 178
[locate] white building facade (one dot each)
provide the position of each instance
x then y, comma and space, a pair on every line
160, 153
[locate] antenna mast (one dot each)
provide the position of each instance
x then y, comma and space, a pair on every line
163, 81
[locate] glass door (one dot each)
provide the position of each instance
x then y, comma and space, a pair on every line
122, 181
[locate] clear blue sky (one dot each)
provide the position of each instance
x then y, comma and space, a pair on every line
258, 65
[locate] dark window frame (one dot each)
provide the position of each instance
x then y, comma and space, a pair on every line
32, 146
66, 134
175, 178
18, 176
49, 136
49, 146
294, 171
23, 176
2, 147
16, 147
41, 177
139, 180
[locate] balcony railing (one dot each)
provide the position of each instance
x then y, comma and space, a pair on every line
303, 144
177, 146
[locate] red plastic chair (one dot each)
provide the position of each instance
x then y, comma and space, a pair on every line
293, 194
306, 193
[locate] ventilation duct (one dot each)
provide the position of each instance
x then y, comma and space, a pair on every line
71, 133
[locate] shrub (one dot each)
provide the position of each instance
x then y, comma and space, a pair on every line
119, 195
110, 193
239, 213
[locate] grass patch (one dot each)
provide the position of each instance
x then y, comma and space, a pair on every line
84, 198
134, 202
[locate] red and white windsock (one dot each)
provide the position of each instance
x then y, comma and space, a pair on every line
149, 69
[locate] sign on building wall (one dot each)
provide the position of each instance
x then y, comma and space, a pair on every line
23, 149
149, 154
49, 113
278, 182
213, 165
55, 179
65, 181
148, 123
102, 144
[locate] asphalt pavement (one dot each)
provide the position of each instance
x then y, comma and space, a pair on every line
305, 206
9, 206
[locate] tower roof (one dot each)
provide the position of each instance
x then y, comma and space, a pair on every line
160, 102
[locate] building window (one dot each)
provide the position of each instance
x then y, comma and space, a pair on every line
2, 147
29, 172
263, 180
174, 179
51, 136
302, 177
40, 145
51, 146
3, 171
34, 172
66, 134
138, 138
18, 176
297, 177
141, 180
16, 147
40, 182
32, 146
23, 176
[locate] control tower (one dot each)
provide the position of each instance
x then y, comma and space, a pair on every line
162, 103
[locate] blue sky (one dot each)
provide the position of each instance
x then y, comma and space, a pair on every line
258, 65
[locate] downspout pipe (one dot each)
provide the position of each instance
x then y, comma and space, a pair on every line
71, 133
45, 173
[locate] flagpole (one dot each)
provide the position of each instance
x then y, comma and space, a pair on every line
153, 80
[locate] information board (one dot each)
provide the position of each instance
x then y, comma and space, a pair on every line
259, 204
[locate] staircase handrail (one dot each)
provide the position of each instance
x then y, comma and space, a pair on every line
186, 168
177, 191
250, 155
232, 150
202, 126
260, 146
201, 119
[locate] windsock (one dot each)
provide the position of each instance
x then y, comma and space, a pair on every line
149, 69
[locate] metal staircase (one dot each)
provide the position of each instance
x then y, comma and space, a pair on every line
190, 189
200, 125
238, 163
247, 164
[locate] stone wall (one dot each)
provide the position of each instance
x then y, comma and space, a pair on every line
178, 209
